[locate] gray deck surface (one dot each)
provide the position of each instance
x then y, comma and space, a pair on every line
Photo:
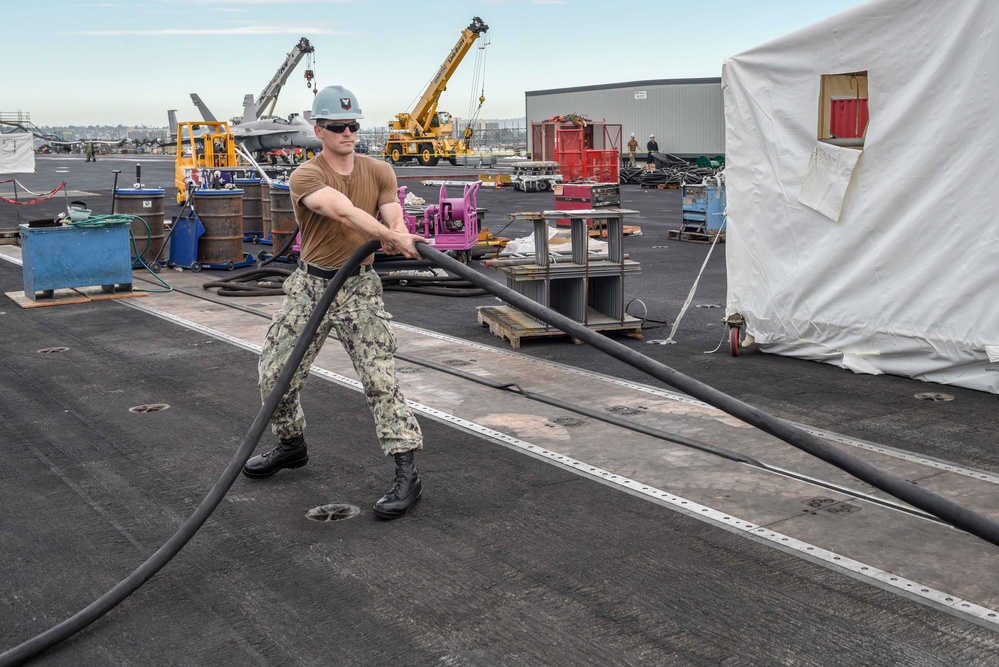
508, 561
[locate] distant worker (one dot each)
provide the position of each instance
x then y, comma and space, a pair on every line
651, 147
91, 156
632, 147
336, 195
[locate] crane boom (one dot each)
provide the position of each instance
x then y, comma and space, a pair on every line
268, 96
424, 109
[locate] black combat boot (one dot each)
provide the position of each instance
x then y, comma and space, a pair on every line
289, 454
406, 491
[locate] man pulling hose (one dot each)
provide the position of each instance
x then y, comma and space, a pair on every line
335, 196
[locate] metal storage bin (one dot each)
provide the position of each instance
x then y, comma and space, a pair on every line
68, 256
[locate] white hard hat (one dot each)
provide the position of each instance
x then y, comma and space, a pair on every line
336, 103
632, 134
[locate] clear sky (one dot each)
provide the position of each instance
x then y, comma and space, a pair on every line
83, 62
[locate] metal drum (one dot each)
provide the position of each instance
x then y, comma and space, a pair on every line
221, 213
283, 225
148, 205
265, 211
253, 211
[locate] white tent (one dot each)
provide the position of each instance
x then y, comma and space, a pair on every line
17, 153
882, 258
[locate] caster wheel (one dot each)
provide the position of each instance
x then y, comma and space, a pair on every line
262, 255
196, 267
230, 265
733, 341
154, 267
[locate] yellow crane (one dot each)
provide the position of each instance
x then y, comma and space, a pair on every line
425, 132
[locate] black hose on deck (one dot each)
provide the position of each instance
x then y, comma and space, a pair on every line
947, 510
154, 563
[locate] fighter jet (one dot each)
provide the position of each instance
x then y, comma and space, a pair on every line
267, 134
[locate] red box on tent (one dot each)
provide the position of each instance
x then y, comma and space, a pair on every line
848, 117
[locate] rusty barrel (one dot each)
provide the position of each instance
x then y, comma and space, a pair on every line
283, 225
221, 213
253, 207
265, 211
148, 205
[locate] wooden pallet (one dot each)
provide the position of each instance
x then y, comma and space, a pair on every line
514, 325
601, 231
696, 237
64, 297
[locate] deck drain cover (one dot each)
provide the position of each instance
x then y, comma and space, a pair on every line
50, 350
333, 512
568, 421
933, 396
459, 362
149, 407
830, 505
407, 369
623, 410
708, 305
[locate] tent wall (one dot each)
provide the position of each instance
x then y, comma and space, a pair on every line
17, 153
906, 280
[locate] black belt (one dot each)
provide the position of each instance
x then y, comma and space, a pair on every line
327, 274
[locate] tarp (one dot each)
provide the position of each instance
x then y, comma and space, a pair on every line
17, 153
885, 259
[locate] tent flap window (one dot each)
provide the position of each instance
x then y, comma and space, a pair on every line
843, 110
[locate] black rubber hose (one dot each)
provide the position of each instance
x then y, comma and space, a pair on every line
154, 563
235, 285
437, 291
947, 510
940, 507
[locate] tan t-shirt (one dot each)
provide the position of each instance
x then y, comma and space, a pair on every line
325, 241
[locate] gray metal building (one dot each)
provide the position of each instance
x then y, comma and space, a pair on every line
686, 115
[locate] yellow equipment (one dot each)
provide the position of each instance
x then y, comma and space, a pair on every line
425, 133
202, 145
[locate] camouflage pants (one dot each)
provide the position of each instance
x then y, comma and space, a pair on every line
362, 325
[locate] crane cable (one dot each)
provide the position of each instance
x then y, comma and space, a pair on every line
478, 82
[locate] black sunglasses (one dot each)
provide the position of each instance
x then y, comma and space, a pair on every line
339, 128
